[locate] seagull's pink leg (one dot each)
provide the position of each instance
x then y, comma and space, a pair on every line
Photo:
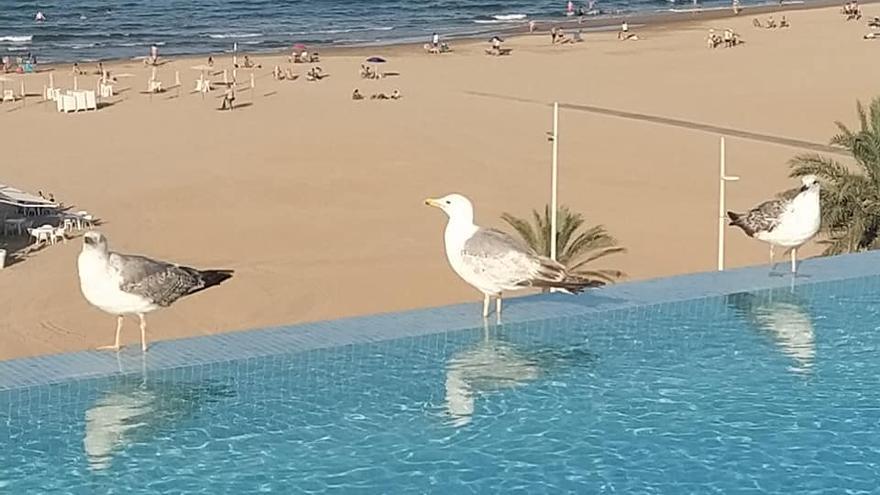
143, 332
115, 346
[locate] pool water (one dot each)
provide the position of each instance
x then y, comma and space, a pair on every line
773, 391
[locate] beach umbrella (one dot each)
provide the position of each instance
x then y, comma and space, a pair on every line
376, 60
299, 47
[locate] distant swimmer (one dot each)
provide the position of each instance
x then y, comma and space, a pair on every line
40, 17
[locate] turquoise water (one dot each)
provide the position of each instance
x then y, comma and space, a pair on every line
770, 392
82, 30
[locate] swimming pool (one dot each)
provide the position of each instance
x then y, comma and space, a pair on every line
771, 389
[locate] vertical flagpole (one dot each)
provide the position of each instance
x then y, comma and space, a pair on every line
553, 181
723, 178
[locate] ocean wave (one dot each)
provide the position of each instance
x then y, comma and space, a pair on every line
17, 49
234, 35
343, 31
509, 17
17, 39
501, 19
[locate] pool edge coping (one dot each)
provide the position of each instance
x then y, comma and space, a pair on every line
40, 370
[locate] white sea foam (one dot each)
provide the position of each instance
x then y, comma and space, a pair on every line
235, 35
509, 17
17, 39
502, 18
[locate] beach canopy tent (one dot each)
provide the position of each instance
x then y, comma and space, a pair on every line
20, 199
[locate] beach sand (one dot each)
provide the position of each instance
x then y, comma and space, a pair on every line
316, 200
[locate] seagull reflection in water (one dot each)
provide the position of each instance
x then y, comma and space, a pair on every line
782, 314
493, 365
136, 410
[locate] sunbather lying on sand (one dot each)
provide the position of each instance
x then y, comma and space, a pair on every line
395, 95
874, 23
356, 95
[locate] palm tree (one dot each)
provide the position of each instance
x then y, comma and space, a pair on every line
850, 194
574, 249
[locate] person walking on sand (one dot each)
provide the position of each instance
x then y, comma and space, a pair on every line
532, 26
435, 40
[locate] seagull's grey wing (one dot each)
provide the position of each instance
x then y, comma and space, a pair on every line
763, 218
160, 282
499, 257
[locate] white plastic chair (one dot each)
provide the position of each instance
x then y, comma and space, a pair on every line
91, 101
8, 95
59, 233
80, 97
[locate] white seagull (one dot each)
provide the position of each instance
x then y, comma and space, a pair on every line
123, 284
789, 221
493, 261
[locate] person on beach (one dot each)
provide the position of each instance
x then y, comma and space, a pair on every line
356, 95
210, 61
624, 31
40, 17
771, 23
532, 26
553, 32
228, 98
736, 8
435, 40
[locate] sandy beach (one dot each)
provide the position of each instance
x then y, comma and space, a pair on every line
315, 200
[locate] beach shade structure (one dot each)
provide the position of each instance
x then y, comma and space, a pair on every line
376, 60
299, 47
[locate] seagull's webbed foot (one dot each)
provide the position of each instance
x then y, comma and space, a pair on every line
116, 346
112, 347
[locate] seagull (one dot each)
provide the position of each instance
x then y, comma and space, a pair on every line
493, 261
789, 221
123, 284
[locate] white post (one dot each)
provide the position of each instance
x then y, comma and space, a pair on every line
177, 78
225, 77
51, 80
75, 83
723, 178
553, 181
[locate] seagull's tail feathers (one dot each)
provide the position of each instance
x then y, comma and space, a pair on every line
210, 278
738, 220
553, 275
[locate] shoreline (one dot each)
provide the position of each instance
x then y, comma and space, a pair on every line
661, 19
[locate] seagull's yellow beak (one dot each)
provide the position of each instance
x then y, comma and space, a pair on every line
432, 202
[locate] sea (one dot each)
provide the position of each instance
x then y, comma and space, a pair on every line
89, 30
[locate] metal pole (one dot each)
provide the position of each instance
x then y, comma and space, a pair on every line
723, 178
553, 181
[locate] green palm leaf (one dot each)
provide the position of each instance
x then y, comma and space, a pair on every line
850, 195
576, 247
